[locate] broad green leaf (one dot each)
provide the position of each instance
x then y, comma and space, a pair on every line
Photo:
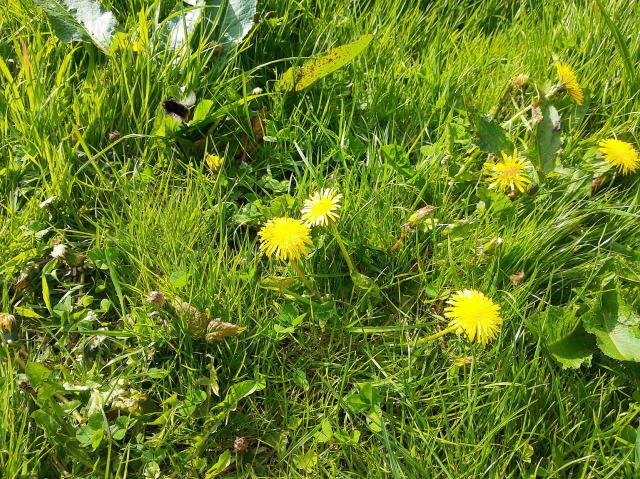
364, 399
638, 447
365, 283
615, 324
26, 312
46, 421
496, 203
324, 313
45, 293
343, 437
299, 78
221, 464
490, 136
399, 160
325, 434
240, 391
307, 461
563, 336
547, 139
81, 20
37, 373
300, 379
179, 279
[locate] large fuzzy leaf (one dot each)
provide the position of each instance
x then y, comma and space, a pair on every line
237, 19
223, 21
182, 23
563, 336
298, 78
81, 20
615, 324
489, 135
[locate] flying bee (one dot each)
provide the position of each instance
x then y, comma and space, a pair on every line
181, 109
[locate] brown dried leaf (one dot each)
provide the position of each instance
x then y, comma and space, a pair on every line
218, 330
517, 278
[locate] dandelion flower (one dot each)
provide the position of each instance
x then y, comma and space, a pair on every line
321, 208
508, 174
569, 82
620, 155
214, 162
286, 238
474, 314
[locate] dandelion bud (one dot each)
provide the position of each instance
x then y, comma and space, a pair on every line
6, 322
23, 281
114, 136
418, 217
597, 184
156, 298
217, 49
520, 81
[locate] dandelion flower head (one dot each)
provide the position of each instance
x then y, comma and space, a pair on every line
214, 162
285, 238
474, 314
620, 154
322, 207
569, 82
508, 173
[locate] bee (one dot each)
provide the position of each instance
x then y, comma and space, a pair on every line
182, 109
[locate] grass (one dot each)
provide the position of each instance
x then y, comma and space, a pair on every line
331, 388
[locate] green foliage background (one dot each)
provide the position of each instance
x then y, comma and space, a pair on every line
332, 388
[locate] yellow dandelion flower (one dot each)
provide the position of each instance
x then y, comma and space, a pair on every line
138, 46
214, 162
321, 208
474, 314
285, 238
620, 155
508, 174
569, 82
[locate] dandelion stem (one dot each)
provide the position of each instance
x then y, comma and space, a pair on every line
436, 335
303, 277
516, 116
550, 94
343, 248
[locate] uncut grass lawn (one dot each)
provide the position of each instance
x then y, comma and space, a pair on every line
335, 388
